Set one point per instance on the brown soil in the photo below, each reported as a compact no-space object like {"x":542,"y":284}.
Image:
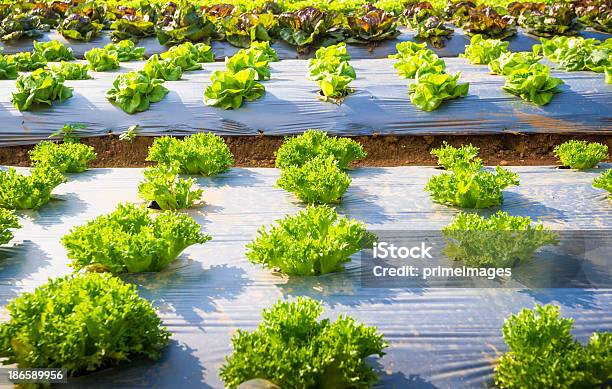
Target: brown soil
{"x":249,"y":151}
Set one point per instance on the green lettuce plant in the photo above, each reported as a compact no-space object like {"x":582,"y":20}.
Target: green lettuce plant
{"x":482,"y":51}
{"x":500,"y":240}
{"x":8,"y":68}
{"x":189,"y":56}
{"x":264,"y":47}
{"x":333,"y":73}
{"x":297,"y":150}
{"x":544,"y":354}
{"x":317,"y":181}
{"x":604,"y":181}
{"x":431,"y":89}
{"x":81,"y":323}
{"x":66,"y":157}
{"x":101,"y":60}
{"x":165,"y":69}
{"x":292,"y":348}
{"x":38,"y":88}
{"x":134,"y":91}
{"x":422,"y":62}
{"x":577,"y":53}
{"x":126,"y":50}
{"x":71,"y":70}
{"x":507,"y":63}
{"x":408,"y":49}
{"x":451,"y":157}
{"x":7,"y":220}
{"x":163,"y":185}
{"x":579,"y":154}
{"x":203,"y":153}
{"x":228,"y":90}
{"x":471,"y":186}
{"x":20,"y":191}
{"x":27,"y":62}
{"x":53,"y":51}
{"x":249,"y":59}
{"x":131,"y":240}
{"x":533,"y":84}
{"x":315,"y":241}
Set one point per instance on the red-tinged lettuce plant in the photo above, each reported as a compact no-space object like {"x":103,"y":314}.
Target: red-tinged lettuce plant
{"x":580,"y":154}
{"x":482,"y":51}
{"x":20,"y":191}
{"x":458,"y":11}
{"x":486,"y":21}
{"x":417,"y":12}
{"x":81,"y":323}
{"x":22,"y":26}
{"x":132,"y":26}
{"x":470,"y":186}
{"x":431,"y":89}
{"x":499,"y":241}
{"x":7,"y":220}
{"x":80,"y":28}
{"x":53,"y":51}
{"x":229,"y":90}
{"x":604,"y":181}
{"x":594,"y":13}
{"x":40,"y":87}
{"x":163,"y":186}
{"x":313,"y":242}
{"x":317,"y":181}
{"x":371,"y":24}
{"x":310,"y":26}
{"x":297,"y":150}
{"x":71,"y":157}
{"x":242,"y":29}
{"x":292,"y":348}
{"x":543,"y":353}
{"x":553,"y":19}
{"x":181,"y":23}
{"x":204,"y":153}
{"x":434,"y":30}
{"x":131,"y":240}
{"x":533,"y":84}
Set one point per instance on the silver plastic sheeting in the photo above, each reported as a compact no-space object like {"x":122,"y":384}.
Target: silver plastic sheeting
{"x":439,"y":338}
{"x":380,"y":104}
{"x":453,"y":47}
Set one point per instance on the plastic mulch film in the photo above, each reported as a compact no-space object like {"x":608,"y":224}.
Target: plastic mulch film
{"x":380,"y":104}
{"x":454,"y":46}
{"x":439,"y":338}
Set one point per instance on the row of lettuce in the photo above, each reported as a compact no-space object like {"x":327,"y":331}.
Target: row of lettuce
{"x":133,"y":92}
{"x":86,"y":314}
{"x":303,"y":26}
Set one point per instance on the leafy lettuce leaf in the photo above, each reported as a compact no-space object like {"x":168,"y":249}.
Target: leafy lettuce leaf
{"x":431,"y":89}
{"x":39,"y":87}
{"x":134,"y":91}
{"x":228,"y":90}
{"x":533,"y":84}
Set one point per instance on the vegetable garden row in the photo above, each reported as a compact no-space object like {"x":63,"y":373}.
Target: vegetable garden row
{"x":195,"y":273}
{"x":312,"y":243}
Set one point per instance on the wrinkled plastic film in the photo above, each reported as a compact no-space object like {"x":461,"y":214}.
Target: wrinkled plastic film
{"x":453,"y":47}
{"x":439,"y":338}
{"x":380,"y":104}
